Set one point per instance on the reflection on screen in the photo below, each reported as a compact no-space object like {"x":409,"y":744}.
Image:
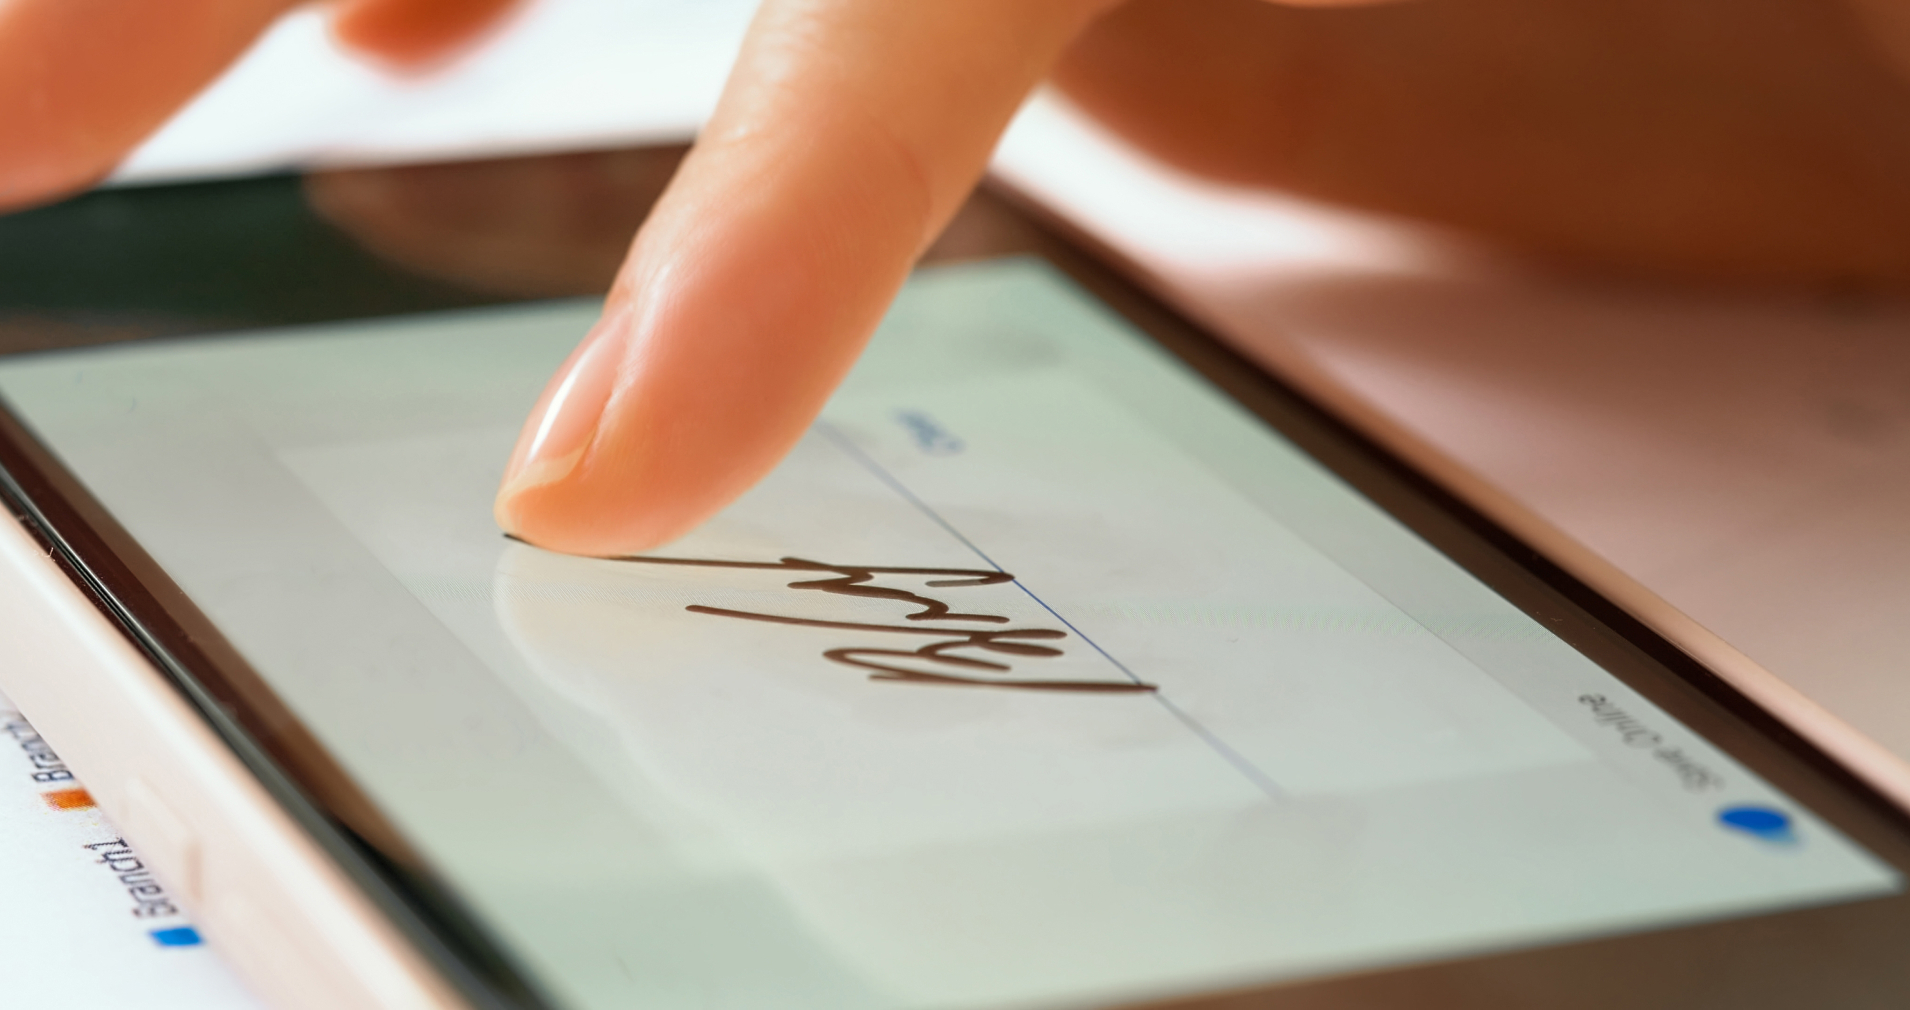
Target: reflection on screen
{"x":1039,"y":674}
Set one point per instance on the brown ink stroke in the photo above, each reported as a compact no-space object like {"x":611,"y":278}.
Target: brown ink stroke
{"x":938,"y":662}
{"x":851,"y":580}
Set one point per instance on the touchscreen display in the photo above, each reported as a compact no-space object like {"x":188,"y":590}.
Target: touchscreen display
{"x":1040,"y":674}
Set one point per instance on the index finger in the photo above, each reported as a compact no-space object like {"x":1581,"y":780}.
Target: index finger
{"x":848,"y":134}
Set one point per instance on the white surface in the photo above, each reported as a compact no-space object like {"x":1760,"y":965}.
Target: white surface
{"x":1344,"y":720}
{"x":72,"y":934}
{"x":562,"y":74}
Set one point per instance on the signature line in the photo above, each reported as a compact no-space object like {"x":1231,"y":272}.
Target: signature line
{"x":1246,"y":768}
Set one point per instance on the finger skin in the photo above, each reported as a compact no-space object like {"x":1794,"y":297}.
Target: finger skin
{"x":82,"y":82}
{"x":413,"y":33}
{"x":1699,"y":139}
{"x":1888,"y":29}
{"x":849,"y":133}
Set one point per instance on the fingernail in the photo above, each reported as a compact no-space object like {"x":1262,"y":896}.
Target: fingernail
{"x":566,"y":418}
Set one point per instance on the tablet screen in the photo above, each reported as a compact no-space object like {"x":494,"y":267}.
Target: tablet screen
{"x":1040,"y":673}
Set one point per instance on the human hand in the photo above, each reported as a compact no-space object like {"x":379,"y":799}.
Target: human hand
{"x":1698,"y":138}
{"x":84,"y":81}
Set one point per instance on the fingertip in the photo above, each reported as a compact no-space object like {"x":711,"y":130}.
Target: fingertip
{"x":414,"y":33}
{"x":848,"y":134}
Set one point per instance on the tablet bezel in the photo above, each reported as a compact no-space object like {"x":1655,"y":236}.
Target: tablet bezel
{"x":1763,"y":957}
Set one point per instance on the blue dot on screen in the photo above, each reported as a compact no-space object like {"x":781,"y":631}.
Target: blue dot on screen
{"x":1763,"y":822}
{"x":177,"y":936}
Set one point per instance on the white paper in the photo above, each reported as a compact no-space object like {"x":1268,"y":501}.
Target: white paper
{"x":86,"y":924}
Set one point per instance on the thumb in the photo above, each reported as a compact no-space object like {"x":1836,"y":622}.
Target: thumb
{"x":849,"y":133}
{"x":84,"y":81}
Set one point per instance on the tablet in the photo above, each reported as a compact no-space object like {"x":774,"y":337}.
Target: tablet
{"x":1068,"y":661}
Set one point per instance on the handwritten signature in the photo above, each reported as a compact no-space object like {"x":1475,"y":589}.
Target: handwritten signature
{"x":950,"y":660}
